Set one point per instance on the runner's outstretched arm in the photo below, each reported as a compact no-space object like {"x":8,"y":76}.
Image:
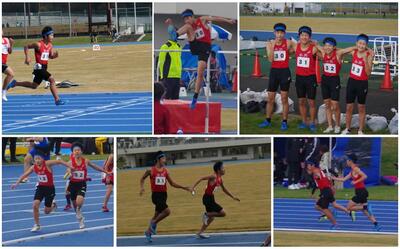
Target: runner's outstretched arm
{"x":228,"y":193}
{"x":25,"y":175}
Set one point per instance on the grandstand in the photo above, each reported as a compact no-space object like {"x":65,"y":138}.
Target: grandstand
{"x":139,"y":152}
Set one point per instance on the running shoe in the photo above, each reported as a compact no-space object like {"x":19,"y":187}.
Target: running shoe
{"x":369,"y":208}
{"x":54,"y":206}
{"x":284,"y":126}
{"x":35,"y":228}
{"x":4,"y":95}
{"x":313,"y":127}
{"x":79,"y":214}
{"x":60,"y":102}
{"x":377,"y":227}
{"x":82,"y":223}
{"x":153,"y":228}
{"x":105,"y":209}
{"x":193,"y":104}
{"x":322,"y":218}
{"x":67,"y":207}
{"x":25,"y":180}
{"x":352,"y":215}
{"x":302,"y":126}
{"x":265,"y":124}
{"x":346,"y":132}
{"x":337,"y":130}
{"x":360,"y":132}
{"x":11,"y":84}
{"x":205,"y":219}
{"x":202,"y":236}
{"x":334,"y":227}
{"x":328,"y":130}
{"x":148,"y":236}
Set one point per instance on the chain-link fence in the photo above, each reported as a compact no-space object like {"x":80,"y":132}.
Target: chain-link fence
{"x":27,"y":19}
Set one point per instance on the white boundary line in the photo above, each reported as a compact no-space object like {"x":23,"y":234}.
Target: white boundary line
{"x":50,"y":235}
{"x":192,"y":234}
{"x":333,"y":231}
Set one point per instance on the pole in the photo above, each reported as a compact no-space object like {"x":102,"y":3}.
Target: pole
{"x":26,"y":28}
{"x":70,"y":19}
{"x":116,"y":18}
{"x":134,"y":11}
{"x":206,"y":126}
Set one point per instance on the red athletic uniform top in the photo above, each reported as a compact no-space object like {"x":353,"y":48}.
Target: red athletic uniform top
{"x":211,"y":187}
{"x":281,"y":55}
{"x":201,"y":32}
{"x":322,"y":180}
{"x":305,"y":61}
{"x":43,"y":54}
{"x":45,"y":177}
{"x":158,"y":179}
{"x":358,"y":185}
{"x":79,"y":174}
{"x":331,"y":64}
{"x":5,"y":44}
{"x":357,"y":71}
{"x":109,"y":168}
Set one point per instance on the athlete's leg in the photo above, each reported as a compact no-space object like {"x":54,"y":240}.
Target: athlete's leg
{"x":216,"y":214}
{"x":328,"y":109}
{"x":27,"y":163}
{"x":108,"y":194}
{"x":79,"y":203}
{"x":27,"y":84}
{"x":162,"y":215}
{"x":327,"y":213}
{"x":336,"y":111}
{"x":340,"y":207}
{"x":204,"y":226}
{"x":303,"y":110}
{"x":201,"y":67}
{"x":313,"y":110}
{"x":53,"y":88}
{"x":285,"y":105}
{"x":270,"y":104}
{"x":349,"y":114}
{"x":361,"y":113}
{"x":36,"y":205}
{"x":9,"y":76}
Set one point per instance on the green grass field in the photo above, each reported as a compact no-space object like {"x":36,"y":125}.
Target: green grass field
{"x":253,"y":212}
{"x":333,"y":239}
{"x":59,"y":41}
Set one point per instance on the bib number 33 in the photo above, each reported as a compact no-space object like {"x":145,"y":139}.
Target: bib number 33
{"x":160,"y":180}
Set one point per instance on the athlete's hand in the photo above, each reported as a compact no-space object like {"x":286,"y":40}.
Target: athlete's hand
{"x":236,"y":199}
{"x":141,"y":192}
{"x":231,"y":21}
{"x":55,"y":54}
{"x":168,"y":21}
{"x":27,"y":60}
{"x":315,"y":42}
{"x":11,"y":41}
{"x":13,"y":186}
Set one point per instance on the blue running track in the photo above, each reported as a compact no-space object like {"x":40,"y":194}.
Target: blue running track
{"x":61,"y":227}
{"x":92,"y":113}
{"x":180,"y":240}
{"x":300,"y":215}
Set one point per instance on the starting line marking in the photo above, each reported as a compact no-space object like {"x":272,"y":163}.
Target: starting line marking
{"x":333,"y":231}
{"x":51,"y":235}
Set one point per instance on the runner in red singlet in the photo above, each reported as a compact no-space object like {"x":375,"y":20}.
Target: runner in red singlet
{"x":43,"y":53}
{"x":357,"y":86}
{"x":108,"y":180}
{"x":359,"y":202}
{"x":332,"y":57}
{"x":159,"y":176}
{"x":213,"y":209}
{"x":45,"y":186}
{"x":198,"y":32}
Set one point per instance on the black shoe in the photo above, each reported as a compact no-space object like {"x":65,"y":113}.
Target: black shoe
{"x":15,"y":160}
{"x":4,"y":161}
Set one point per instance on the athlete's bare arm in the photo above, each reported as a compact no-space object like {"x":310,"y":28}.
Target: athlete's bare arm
{"x":146,"y":174}
{"x":270,"y":50}
{"x":369,"y":62}
{"x":340,"y":52}
{"x":51,"y":163}
{"x":26,"y":51}
{"x":205,"y":19}
{"x":10,"y":49}
{"x":320,"y":50}
{"x":292,"y":46}
{"x":95,"y":167}
{"x":53,"y":54}
{"x":208,"y":178}
{"x":176,"y":185}
{"x":25,"y":175}
{"x":228,"y":193}
{"x":182,"y":30}
{"x":342,"y":179}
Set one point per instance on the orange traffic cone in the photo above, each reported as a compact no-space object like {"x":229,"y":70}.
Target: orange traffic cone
{"x":256,"y":66}
{"x":234,"y":82}
{"x":387,"y":84}
{"x":318,"y":71}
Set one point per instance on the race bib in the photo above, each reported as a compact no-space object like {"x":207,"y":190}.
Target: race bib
{"x":45,"y":56}
{"x":356,"y":69}
{"x":303,"y":62}
{"x":279,"y":55}
{"x":199,"y":33}
{"x":160,"y":180}
{"x":42,"y":178}
{"x":80,"y":175}
{"x":329,"y":68}
{"x":4,"y":49}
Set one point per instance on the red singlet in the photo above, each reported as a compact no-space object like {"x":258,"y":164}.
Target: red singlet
{"x":211,"y":187}
{"x":305,"y":61}
{"x":45,"y":177}
{"x":158,"y":179}
{"x":281,"y":55}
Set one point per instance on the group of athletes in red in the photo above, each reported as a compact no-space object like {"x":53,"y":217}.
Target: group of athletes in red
{"x":359,"y":202}
{"x":44,"y":51}
{"x":306,"y":52}
{"x":159,"y":177}
{"x":77,"y":173}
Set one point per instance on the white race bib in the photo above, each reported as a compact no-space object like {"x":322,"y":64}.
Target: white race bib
{"x":45,"y":56}
{"x":329,"y":68}
{"x":356,"y":69}
{"x":199,"y":33}
{"x":279,"y":55}
{"x":160,"y":180}
{"x":4,"y":49}
{"x":303,"y":62}
{"x":42,"y":178}
{"x":79,"y":174}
